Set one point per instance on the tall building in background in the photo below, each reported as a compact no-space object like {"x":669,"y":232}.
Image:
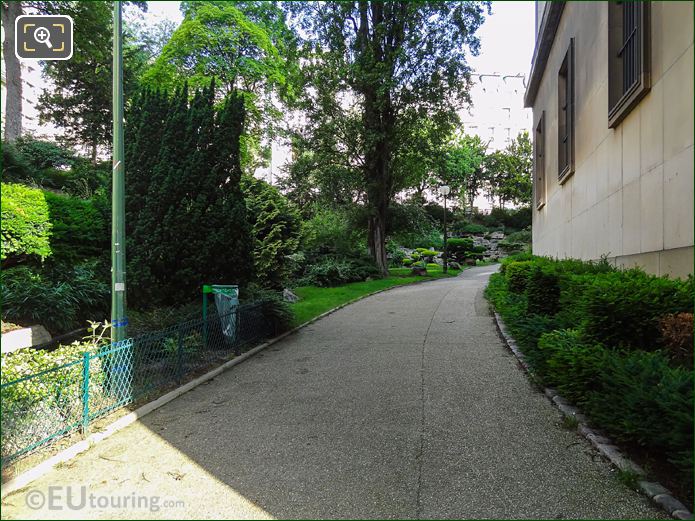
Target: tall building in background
{"x":611,"y":87}
{"x":498,"y":113}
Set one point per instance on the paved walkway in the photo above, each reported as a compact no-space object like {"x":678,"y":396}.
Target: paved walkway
{"x":404,"y":405}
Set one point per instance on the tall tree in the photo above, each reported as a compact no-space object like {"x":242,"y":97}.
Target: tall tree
{"x":402,"y":61}
{"x":79,"y":100}
{"x":13,"y":72}
{"x":186,"y":213}
{"x":248,"y":47}
{"x":508,"y":172}
{"x":463,"y":166}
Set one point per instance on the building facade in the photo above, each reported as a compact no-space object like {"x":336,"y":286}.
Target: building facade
{"x":611,"y":87}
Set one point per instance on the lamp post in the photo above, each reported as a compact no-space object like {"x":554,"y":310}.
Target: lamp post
{"x":444,"y":191}
{"x":118,"y":305}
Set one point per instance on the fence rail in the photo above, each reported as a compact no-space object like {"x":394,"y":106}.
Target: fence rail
{"x":39,"y":408}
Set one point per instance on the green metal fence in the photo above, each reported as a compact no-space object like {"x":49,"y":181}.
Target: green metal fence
{"x":38,"y":408}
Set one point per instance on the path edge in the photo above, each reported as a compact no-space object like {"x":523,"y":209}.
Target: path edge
{"x":28,"y":476}
{"x":656,"y":492}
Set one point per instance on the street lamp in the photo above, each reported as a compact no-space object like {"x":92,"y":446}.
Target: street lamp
{"x":444,"y":190}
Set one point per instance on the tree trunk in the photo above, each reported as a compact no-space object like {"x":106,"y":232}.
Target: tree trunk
{"x":94,"y":154}
{"x":13,"y":73}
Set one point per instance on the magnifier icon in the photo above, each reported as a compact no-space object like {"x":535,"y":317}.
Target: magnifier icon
{"x":43,"y":35}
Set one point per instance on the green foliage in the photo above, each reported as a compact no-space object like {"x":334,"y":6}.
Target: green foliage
{"x":79,"y":230}
{"x":623,"y":309}
{"x":543,"y":292}
{"x":275,"y":309}
{"x":330,"y":231}
{"x":331,"y":271}
{"x":410,"y":225}
{"x":15,"y":167}
{"x":276,"y":229}
{"x":459,"y":249}
{"x":517,"y":274}
{"x":41,"y":154}
{"x":472,"y":228}
{"x":80,"y":101}
{"x":509,"y":172}
{"x":61,"y":298}
{"x":26,"y":224}
{"x":464,"y":166}
{"x":515,"y":219}
{"x":608,"y":363}
{"x":186,"y":215}
{"x":256,"y":58}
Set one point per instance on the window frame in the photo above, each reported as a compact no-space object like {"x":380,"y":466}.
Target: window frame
{"x":565,"y":107}
{"x":539,"y":181}
{"x":621,"y":101}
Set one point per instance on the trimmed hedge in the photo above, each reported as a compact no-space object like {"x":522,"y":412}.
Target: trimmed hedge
{"x":26,"y":224}
{"x":608,"y":341}
{"x":79,"y":228}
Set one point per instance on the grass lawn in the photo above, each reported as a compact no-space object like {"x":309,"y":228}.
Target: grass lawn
{"x":315,"y":300}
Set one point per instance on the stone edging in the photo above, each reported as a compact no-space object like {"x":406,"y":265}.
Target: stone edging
{"x":32,"y":474}
{"x":653,"y":490}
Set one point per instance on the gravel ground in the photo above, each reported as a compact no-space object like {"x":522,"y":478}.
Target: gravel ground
{"x":403,"y":405}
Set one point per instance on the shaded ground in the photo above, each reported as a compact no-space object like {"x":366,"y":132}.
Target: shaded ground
{"x":403,"y":405}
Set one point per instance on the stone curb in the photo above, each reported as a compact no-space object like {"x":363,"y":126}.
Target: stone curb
{"x":32,"y":474}
{"x":653,"y":490}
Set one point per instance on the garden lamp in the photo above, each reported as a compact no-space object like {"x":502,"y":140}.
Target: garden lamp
{"x":444,"y":190}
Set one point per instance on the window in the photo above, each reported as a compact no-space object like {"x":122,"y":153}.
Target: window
{"x":628,"y":57}
{"x":565,"y":120}
{"x":539,"y":162}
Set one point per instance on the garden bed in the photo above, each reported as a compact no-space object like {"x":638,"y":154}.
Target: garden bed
{"x":615,"y":343}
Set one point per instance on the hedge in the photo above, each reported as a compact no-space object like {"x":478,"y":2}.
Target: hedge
{"x":38,"y":224}
{"x":612,"y":342}
{"x":79,"y":228}
{"x":26,"y":225}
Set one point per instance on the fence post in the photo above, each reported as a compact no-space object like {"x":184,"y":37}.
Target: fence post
{"x":85,"y":392}
{"x":179,"y":356}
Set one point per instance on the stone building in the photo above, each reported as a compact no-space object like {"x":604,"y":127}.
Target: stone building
{"x":611,"y":87}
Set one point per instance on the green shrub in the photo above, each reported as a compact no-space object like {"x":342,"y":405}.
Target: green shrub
{"x":330,"y":232}
{"x":14,"y":166}
{"x":472,"y":228}
{"x":407,"y":262}
{"x":543,"y":292}
{"x":276,"y":229}
{"x":334,"y":271}
{"x":623,"y":309}
{"x":642,"y":399}
{"x":79,"y":228}
{"x":26,"y":226}
{"x":459,"y":249}
{"x":517,"y":274}
{"x":62,"y":298}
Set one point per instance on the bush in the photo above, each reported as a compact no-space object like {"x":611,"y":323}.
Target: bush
{"x":517,"y":274}
{"x":329,"y":232}
{"x":334,"y":271}
{"x":407,"y":262}
{"x":640,"y":399}
{"x":276,"y":228}
{"x":459,"y":249}
{"x":14,"y":166}
{"x":395,"y":254}
{"x":472,"y":228}
{"x":62,"y":298}
{"x":623,"y":309}
{"x":543,"y":292}
{"x":26,"y":226}
{"x":79,"y":229}
{"x":410,"y":225}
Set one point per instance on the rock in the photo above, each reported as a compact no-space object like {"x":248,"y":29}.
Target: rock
{"x":470,"y":262}
{"x":497,"y":235}
{"x":418,"y":270}
{"x":289,"y":295}
{"x":25,"y":337}
{"x":453,"y":265}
